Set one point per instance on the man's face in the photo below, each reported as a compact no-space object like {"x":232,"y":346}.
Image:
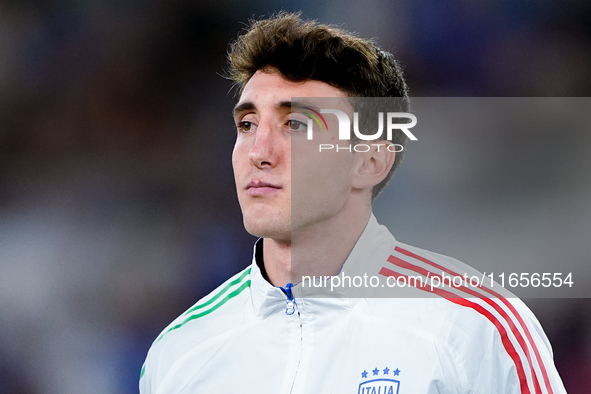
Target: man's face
{"x":270,"y":134}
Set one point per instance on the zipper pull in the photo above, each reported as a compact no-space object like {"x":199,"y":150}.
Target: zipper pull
{"x":291,"y":304}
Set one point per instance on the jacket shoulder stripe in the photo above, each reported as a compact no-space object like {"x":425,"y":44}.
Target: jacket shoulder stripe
{"x":509,"y":347}
{"x":503,"y":313}
{"x":219,"y":293}
{"x":244,"y":284}
{"x":403,"y":264}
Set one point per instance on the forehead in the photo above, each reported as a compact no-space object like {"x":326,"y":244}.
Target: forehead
{"x":268,"y":88}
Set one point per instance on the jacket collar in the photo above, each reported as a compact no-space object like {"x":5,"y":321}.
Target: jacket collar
{"x":372,"y":249}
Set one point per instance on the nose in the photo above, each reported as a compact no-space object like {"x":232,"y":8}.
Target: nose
{"x":264,"y":151}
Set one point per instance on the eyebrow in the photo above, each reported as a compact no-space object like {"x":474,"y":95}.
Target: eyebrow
{"x":298,"y":105}
{"x":303,"y":105}
{"x":246,"y":106}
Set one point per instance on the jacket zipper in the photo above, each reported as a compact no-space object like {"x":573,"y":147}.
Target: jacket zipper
{"x":291,"y":304}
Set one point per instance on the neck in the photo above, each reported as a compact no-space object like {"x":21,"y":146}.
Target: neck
{"x":319,"y":249}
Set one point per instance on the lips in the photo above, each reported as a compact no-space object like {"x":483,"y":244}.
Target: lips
{"x":259,"y":188}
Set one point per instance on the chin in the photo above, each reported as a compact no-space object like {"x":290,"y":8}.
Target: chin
{"x":268,"y":227}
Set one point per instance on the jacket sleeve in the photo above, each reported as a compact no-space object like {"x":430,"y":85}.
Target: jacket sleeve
{"x":526,"y":367}
{"x":144,"y":381}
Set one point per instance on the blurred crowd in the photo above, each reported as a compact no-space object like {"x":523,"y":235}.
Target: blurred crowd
{"x":117,"y":203}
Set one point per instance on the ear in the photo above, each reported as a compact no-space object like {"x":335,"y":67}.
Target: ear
{"x":372,"y":167}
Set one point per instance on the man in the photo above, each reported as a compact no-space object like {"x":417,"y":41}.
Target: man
{"x":267,"y":329}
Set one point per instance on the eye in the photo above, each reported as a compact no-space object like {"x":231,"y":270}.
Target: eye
{"x":245,"y":126}
{"x":296,"y":125}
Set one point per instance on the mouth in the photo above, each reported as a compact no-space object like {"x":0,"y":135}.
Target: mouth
{"x":259,"y":188}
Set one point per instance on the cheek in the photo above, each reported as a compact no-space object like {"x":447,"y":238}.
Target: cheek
{"x":239,"y":154}
{"x":234,"y":158}
{"x":322,"y":174}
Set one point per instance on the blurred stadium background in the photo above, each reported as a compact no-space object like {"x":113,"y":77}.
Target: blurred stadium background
{"x":117,"y":203}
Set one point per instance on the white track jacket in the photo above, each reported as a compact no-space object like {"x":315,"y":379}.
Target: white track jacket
{"x":250,"y":337}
